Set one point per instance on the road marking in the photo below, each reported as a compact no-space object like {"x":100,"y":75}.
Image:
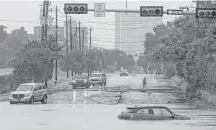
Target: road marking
{"x":74,"y":95}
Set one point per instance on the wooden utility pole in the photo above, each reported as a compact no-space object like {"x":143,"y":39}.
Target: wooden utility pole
{"x":67,"y":41}
{"x":76,"y":43}
{"x":56,"y":64}
{"x":90,"y":39}
{"x":71,"y":41}
{"x":80,"y":46}
{"x":83,"y":40}
{"x":71,"y":36}
{"x":43,"y":24}
{"x":46,"y":21}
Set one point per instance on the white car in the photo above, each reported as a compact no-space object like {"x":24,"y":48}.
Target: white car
{"x":29,"y":93}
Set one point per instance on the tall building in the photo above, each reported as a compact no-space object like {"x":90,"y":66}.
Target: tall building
{"x":75,"y":34}
{"x":130,"y":30}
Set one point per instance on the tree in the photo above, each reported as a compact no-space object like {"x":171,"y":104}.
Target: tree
{"x":12,"y":45}
{"x":3,"y":34}
{"x":142,"y":61}
{"x":191,"y":48}
{"x":33,"y":63}
{"x":75,"y":61}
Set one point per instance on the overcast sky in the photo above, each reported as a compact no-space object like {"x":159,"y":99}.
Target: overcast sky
{"x":28,"y":13}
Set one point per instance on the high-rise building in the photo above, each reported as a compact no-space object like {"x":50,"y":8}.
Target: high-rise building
{"x":130,"y":30}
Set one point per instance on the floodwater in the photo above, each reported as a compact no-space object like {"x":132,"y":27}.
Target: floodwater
{"x":95,"y":117}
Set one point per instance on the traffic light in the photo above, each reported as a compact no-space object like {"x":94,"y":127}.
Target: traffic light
{"x":205,"y":12}
{"x":76,"y":8}
{"x":151,"y":11}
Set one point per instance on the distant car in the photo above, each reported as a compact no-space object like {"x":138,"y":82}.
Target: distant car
{"x":123,"y":73}
{"x":150,"y":113}
{"x":29,"y":93}
{"x":97,"y":78}
{"x":80,"y":81}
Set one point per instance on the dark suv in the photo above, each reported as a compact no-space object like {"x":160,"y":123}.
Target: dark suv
{"x":97,"y":78}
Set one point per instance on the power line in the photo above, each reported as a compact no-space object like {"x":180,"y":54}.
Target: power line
{"x":20,"y":21}
{"x":118,"y":42}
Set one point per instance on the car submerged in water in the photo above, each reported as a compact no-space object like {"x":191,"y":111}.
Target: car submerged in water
{"x":150,"y":113}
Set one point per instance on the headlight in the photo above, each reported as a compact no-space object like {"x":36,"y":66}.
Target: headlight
{"x":74,"y":81}
{"x":85,"y":80}
{"x":26,"y":95}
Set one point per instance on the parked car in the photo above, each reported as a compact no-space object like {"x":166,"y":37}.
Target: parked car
{"x":150,"y":113}
{"x":80,"y":81}
{"x":123,"y":73}
{"x":29,"y":93}
{"x":97,"y":78}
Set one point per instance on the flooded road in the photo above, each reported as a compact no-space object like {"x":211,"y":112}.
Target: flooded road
{"x":71,"y":109}
{"x":95,"y":117}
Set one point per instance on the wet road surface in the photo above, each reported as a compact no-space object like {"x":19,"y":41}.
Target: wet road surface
{"x":94,"y":117}
{"x":72,"y":110}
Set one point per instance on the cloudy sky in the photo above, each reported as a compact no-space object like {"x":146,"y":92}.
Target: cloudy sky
{"x":15,"y":14}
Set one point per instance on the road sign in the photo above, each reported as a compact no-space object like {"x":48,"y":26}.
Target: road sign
{"x":99,"y":9}
{"x":151,"y":11}
{"x":174,"y":12}
{"x":205,"y":12}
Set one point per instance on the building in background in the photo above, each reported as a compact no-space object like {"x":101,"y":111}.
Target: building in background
{"x":51,"y":31}
{"x":75,"y":34}
{"x":130,"y":30}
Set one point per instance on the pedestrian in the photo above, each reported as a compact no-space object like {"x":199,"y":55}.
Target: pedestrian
{"x":144,"y":83}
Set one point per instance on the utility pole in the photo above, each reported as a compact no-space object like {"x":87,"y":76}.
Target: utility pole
{"x":79,"y":38}
{"x":90,"y":38}
{"x":71,"y":44}
{"x":46,"y":21}
{"x":71,"y":36}
{"x":76,"y":43}
{"x":83,"y":39}
{"x":56,"y":69}
{"x":67,"y":41}
{"x":43,"y":24}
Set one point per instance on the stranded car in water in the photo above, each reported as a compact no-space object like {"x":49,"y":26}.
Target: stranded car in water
{"x":150,"y":113}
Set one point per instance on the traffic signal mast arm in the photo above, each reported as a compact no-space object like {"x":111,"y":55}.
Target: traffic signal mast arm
{"x":138,"y":11}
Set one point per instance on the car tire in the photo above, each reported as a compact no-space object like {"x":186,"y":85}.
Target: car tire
{"x":105,"y":83}
{"x":44,"y":100}
{"x":11,"y":102}
{"x":74,"y":87}
{"x":31,"y":100}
